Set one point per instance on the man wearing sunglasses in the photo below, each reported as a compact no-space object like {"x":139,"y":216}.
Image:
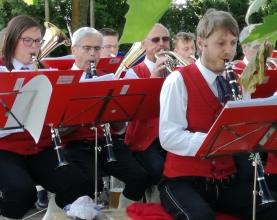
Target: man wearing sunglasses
{"x":142,"y":135}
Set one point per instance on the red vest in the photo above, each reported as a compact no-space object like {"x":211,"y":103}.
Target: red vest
{"x":24,"y":144}
{"x":140,"y":134}
{"x":202,"y":109}
{"x":271,"y":167}
{"x":240,"y":65}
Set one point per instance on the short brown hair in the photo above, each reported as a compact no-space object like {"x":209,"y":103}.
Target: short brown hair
{"x":183,"y":36}
{"x":108,"y":32}
{"x":213,"y":20}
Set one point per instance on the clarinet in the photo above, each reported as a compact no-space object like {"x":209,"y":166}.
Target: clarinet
{"x":93,"y":69}
{"x":264,"y":191}
{"x":105,"y":127}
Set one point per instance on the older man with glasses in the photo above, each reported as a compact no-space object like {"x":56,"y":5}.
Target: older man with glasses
{"x":142,"y":136}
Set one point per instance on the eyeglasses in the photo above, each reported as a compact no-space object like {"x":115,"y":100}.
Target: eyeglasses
{"x":157,"y":39}
{"x":29,"y":41}
{"x":108,"y":46}
{"x":89,"y":48}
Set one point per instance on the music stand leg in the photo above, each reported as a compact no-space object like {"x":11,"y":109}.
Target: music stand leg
{"x":96,"y":149}
{"x":255,"y":162}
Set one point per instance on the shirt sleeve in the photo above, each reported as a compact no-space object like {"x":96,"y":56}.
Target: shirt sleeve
{"x":173,"y":133}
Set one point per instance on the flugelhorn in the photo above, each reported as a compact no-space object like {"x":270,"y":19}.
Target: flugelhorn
{"x":133,"y":55}
{"x":53,"y":38}
{"x":173,"y":59}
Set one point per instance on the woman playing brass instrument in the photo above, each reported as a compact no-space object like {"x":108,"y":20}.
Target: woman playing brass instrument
{"x":25,"y":163}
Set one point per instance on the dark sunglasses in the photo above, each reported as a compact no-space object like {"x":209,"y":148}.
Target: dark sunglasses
{"x":157,"y":39}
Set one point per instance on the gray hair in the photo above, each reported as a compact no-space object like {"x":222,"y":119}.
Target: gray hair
{"x":246,"y":32}
{"x":82,"y":32}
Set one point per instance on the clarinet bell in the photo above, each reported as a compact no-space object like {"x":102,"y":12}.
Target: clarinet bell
{"x":61,"y":159}
{"x":110,"y":155}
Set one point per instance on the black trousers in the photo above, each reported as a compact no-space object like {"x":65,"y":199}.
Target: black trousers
{"x":153,"y":159}
{"x":196,"y":198}
{"x":127,"y":169}
{"x":19,"y":176}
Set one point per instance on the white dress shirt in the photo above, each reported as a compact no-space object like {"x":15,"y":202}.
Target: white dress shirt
{"x":17,"y":65}
{"x":130,"y":74}
{"x":173,"y":108}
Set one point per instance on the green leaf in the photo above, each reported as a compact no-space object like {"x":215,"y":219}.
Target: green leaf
{"x":31,"y":2}
{"x":141,"y":17}
{"x":264,"y":32}
{"x":254,"y":7}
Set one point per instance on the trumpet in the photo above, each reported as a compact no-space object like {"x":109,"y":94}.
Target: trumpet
{"x":173,"y":59}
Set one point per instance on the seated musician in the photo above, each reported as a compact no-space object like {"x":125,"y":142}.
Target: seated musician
{"x":183,"y":44}
{"x":190,"y":100}
{"x":23,"y":162}
{"x":80,"y":144}
{"x":142,"y":136}
{"x":110,"y":42}
{"x":249,"y":49}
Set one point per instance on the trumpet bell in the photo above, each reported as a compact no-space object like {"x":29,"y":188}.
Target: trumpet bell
{"x":53,"y":38}
{"x":173,"y":59}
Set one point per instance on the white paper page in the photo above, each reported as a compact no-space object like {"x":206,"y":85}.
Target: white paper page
{"x":31,"y":105}
{"x":39,"y":70}
{"x":106,"y":77}
{"x":252,"y":102}
{"x":3,"y":69}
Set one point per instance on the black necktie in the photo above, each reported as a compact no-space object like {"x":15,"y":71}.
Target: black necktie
{"x":24,"y":68}
{"x":223,"y":89}
{"x":88,"y":76}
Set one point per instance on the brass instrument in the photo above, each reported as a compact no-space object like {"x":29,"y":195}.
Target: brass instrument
{"x":53,"y":38}
{"x":173,"y":60}
{"x":34,"y":60}
{"x":264,"y":192}
{"x":133,"y":55}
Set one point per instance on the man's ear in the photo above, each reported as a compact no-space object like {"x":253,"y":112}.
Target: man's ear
{"x":200,"y":43}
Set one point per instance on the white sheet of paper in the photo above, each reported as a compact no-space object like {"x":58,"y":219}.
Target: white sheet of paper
{"x":252,"y":102}
{"x":30,"y":106}
{"x":106,"y":77}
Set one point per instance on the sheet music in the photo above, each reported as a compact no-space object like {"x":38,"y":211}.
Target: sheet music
{"x":30,"y":105}
{"x":252,"y":102}
{"x":106,"y":77}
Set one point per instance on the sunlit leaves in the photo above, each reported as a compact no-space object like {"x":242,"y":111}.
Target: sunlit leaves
{"x":141,"y":17}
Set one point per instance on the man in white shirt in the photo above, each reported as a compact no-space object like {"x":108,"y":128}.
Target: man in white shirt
{"x":191,"y":99}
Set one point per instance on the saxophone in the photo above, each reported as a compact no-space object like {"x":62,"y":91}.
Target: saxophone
{"x":264,"y":191}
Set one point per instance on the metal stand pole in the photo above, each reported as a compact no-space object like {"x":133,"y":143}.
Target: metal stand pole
{"x":96,"y":149}
{"x":254,"y":163}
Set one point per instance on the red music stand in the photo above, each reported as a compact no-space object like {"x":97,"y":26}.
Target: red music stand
{"x":117,"y":100}
{"x":239,"y":130}
{"x":106,"y":65}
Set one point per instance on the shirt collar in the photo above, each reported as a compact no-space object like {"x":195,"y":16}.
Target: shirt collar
{"x":208,"y":75}
{"x":245,"y":61}
{"x":18,"y":65}
{"x":149,"y":64}
{"x":74,"y":67}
